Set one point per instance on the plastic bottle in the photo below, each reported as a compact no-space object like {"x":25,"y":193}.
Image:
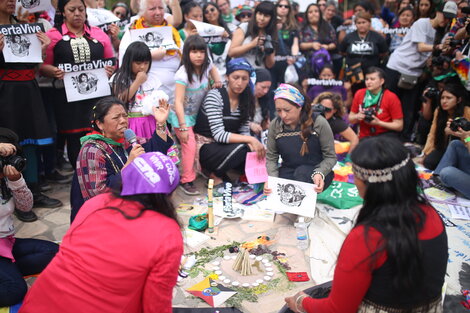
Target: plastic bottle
{"x":302,"y":235}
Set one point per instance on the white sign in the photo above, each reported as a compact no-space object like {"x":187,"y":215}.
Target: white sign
{"x":21,"y":43}
{"x":155,"y":37}
{"x":291,"y":196}
{"x":98,"y":17}
{"x":459,"y":212}
{"x":34,"y":5}
{"x":206,"y":29}
{"x":86,"y":84}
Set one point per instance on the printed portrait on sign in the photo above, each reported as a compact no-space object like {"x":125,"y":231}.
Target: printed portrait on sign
{"x":152,"y":39}
{"x":30,"y":4}
{"x":290,"y":194}
{"x":85,"y":83}
{"x":19,"y":45}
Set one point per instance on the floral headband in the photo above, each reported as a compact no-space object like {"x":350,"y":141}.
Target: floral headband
{"x":288,"y":92}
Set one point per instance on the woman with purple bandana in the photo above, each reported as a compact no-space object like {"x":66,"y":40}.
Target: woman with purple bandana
{"x":304,"y":141}
{"x":123,"y":250}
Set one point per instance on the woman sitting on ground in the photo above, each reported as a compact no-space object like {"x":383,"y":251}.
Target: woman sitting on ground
{"x":123,"y":251}
{"x":18,"y":256}
{"x":303,"y":140}
{"x":222,"y":126}
{"x":104,"y":153}
{"x":395,"y":258}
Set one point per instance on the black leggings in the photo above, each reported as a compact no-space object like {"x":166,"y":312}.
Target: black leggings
{"x":73,"y":147}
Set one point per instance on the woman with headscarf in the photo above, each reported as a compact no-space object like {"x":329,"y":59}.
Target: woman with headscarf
{"x":303,"y":140}
{"x":222,"y":126}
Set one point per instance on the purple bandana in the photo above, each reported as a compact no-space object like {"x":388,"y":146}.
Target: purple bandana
{"x":152,"y":172}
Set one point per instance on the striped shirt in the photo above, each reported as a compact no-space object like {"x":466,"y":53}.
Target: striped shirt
{"x":210,"y":122}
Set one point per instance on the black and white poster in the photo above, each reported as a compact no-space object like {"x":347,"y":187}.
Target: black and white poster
{"x":292,"y":196}
{"x":33,"y":6}
{"x":155,"y":37}
{"x":21,"y":43}
{"x":210,"y":33}
{"x":86,"y":80}
{"x":100,"y":17}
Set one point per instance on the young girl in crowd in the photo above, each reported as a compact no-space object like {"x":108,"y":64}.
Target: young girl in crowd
{"x":192,"y":84}
{"x":191,"y":11}
{"x":131,"y":84}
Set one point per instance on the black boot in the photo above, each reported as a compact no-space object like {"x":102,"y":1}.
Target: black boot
{"x":40,"y":200}
{"x":26,"y":217}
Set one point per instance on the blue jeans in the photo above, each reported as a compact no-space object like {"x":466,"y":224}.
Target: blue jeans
{"x":454,"y":168}
{"x":31,"y":257}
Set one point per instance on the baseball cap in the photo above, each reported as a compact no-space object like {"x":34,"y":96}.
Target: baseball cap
{"x":243,"y":9}
{"x":450,"y":9}
{"x":152,"y":172}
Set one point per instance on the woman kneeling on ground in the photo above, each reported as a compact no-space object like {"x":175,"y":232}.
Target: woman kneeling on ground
{"x":304,"y":141}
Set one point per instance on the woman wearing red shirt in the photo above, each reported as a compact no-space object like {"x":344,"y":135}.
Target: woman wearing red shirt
{"x":395,"y":258}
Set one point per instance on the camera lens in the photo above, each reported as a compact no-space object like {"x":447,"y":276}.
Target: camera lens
{"x":17,"y":162}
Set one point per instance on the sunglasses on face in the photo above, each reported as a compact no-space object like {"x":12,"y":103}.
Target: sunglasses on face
{"x":285,"y":6}
{"x":210,"y":10}
{"x":245,"y":15}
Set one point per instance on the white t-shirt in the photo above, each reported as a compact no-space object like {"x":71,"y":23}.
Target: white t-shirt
{"x":406,"y":58}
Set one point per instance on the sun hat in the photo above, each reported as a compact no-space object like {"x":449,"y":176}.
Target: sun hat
{"x":152,"y":172}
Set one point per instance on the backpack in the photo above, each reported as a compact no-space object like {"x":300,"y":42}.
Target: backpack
{"x":318,"y":60}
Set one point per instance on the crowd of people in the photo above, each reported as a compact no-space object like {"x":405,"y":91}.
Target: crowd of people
{"x":263,"y":78}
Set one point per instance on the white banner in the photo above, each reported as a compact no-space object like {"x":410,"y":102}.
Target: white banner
{"x":155,"y":37}
{"x":206,"y":29}
{"x":21,"y":43}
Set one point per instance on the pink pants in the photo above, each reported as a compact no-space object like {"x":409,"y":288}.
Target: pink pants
{"x":188,"y":156}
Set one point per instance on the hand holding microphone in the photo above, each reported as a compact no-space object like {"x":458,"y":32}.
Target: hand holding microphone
{"x":137,"y":149}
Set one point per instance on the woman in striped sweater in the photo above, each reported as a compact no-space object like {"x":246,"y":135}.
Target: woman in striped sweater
{"x":222,"y":125}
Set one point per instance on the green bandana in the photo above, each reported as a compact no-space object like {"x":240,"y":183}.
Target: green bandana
{"x":99,"y":137}
{"x":371,"y":99}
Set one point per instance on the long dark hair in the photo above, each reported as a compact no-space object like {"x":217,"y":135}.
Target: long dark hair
{"x":441,"y":140}
{"x":101,"y":109}
{"x":220,"y":20}
{"x":136,"y":52}
{"x":246,"y":103}
{"x":393,"y":209}
{"x":266,"y":8}
{"x":323,"y":26}
{"x":431,"y":12}
{"x":194,"y":42}
{"x":59,"y":17}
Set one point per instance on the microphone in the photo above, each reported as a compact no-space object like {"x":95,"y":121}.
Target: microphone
{"x":130,"y":136}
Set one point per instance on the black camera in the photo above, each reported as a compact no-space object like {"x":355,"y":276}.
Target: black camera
{"x":460,"y":122}
{"x":16,"y":161}
{"x":454,"y":42}
{"x":268,"y":45}
{"x":320,"y":108}
{"x":432,"y":93}
{"x":369,"y":114}
{"x":440,"y":60}
{"x":466,"y":10}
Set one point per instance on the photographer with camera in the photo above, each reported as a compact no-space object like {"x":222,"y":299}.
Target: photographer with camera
{"x":376,"y":109}
{"x":454,"y":168}
{"x":18,"y":257}
{"x":254,"y":40}
{"x":452,"y":105}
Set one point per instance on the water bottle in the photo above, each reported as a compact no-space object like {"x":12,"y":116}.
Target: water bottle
{"x":302,"y":236}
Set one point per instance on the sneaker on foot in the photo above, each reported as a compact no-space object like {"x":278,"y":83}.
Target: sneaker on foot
{"x":189,"y":189}
{"x":26,"y":217}
{"x":56,"y":177}
{"x":43,"y":201}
